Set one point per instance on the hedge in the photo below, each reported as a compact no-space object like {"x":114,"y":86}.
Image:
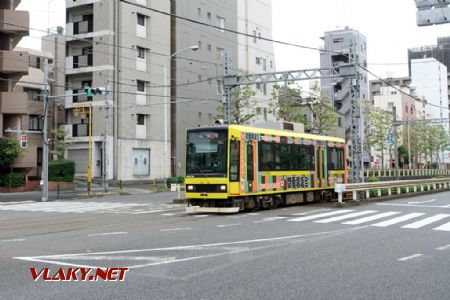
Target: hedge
{"x":15,"y":179}
{"x":61,"y":170}
{"x":179,"y":179}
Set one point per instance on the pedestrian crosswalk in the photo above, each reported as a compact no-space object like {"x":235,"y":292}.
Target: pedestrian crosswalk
{"x":376,"y":218}
{"x":92,"y":207}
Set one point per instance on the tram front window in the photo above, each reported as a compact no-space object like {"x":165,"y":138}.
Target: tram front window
{"x":206,"y":153}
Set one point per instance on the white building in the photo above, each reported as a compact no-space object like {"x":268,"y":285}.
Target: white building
{"x":257,"y":55}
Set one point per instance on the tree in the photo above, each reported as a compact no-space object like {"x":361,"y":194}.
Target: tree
{"x":60,"y":144}
{"x":9,"y":151}
{"x":243,"y":105}
{"x":378,"y":126}
{"x":295,"y":108}
{"x":403,"y":155}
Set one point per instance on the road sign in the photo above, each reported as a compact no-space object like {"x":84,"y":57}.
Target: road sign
{"x":23,"y":141}
{"x":390,"y":139}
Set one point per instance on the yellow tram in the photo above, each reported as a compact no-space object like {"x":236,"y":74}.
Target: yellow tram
{"x":232,"y":168}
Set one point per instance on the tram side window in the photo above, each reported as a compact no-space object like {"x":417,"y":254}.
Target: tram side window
{"x":234,"y":160}
{"x":286,"y":157}
{"x":335,"y":159}
{"x":266,"y":156}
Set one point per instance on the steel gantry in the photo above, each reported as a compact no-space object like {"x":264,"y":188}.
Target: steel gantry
{"x":347,"y":71}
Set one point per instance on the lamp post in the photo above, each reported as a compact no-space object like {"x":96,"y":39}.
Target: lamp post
{"x":166,"y":118}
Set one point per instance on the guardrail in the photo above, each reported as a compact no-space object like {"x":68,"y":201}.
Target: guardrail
{"x":405,"y":172}
{"x":387,"y":186}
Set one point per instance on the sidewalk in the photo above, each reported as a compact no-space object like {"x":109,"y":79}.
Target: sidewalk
{"x":78,"y":193}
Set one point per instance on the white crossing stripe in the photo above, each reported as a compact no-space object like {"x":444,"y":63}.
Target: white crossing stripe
{"x":445,"y":227}
{"x":426,"y":221}
{"x":318,"y":216}
{"x":348,"y":216}
{"x":371,"y":218}
{"x":398,"y":220}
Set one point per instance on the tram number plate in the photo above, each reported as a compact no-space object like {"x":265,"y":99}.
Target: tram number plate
{"x":297,"y":182}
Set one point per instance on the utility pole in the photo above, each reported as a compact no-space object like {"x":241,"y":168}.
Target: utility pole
{"x":227,"y":99}
{"x":394,"y":118}
{"x":45,"y":136}
{"x":105,"y":139}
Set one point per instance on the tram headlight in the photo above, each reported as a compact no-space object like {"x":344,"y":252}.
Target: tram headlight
{"x":223,"y":188}
{"x":190,"y":188}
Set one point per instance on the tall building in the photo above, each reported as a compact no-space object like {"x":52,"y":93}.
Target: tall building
{"x":123,"y":44}
{"x":21,"y":79}
{"x":197,"y":87}
{"x":257,"y":55}
{"x":440,"y":52}
{"x":338,"y":45}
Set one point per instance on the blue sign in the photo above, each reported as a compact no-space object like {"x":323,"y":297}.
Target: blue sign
{"x":390,"y":139}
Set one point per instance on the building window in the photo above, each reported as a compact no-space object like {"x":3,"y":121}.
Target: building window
{"x":34,"y":94}
{"x":258,"y":60}
{"x":141,"y":19}
{"x":254,"y":36}
{"x":141,"y":52}
{"x":199,"y":11}
{"x":271,"y":64}
{"x":199,"y":45}
{"x":264,"y":63}
{"x":36,"y":123}
{"x":140,"y":119}
{"x":220,"y":54}
{"x":258,"y":86}
{"x":265,"y":89}
{"x":338,"y":40}
{"x":220,"y":87}
{"x":140,"y":86}
{"x":209,"y":47}
{"x":221,"y":23}
{"x":208,"y":14}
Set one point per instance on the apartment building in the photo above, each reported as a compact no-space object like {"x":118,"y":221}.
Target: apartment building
{"x":197,"y":87}
{"x":122,"y":44}
{"x":255,"y":54}
{"x":375,"y":86}
{"x":21,"y":79}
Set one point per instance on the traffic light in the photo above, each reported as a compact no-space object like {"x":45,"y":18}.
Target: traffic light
{"x":23,"y":141}
{"x":93,"y":91}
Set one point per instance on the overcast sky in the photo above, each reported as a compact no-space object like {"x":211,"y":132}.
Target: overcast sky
{"x":389,"y":25}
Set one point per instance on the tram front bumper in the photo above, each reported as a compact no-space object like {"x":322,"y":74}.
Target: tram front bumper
{"x":220,"y":210}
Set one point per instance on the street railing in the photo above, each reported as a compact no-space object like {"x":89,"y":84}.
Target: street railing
{"x":386,"y":187}
{"x":405,"y":172}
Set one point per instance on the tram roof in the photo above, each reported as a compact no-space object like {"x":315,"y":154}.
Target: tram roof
{"x":278,"y":132}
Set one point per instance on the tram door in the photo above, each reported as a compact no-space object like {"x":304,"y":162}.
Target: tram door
{"x":320,"y":165}
{"x":251,"y":167}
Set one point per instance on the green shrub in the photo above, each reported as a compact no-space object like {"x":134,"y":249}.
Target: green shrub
{"x":61,"y":170}
{"x":178,"y":179}
{"x":12,"y":180}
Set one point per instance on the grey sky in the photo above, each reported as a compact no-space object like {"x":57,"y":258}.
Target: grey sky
{"x":390,"y":27}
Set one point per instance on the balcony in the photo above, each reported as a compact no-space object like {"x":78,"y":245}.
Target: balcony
{"x":14,"y":103}
{"x":14,"y":21}
{"x":13,"y":62}
{"x":79,"y":28}
{"x":80,"y":130}
{"x":79,"y":64}
{"x":75,"y":3}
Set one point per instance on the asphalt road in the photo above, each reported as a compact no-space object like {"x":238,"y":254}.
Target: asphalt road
{"x":392,"y":250}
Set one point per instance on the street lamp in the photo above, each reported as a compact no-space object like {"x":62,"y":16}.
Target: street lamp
{"x":166,"y":89}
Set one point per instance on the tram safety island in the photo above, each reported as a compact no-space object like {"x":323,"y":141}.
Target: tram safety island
{"x":232,"y":168}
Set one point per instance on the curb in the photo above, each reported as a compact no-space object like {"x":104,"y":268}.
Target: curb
{"x":387,"y":198}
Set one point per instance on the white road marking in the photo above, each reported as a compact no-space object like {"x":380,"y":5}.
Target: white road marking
{"x":310,"y":212}
{"x":175,"y":229}
{"x":443,"y":247}
{"x":371,"y":218}
{"x":228,"y":225}
{"x":52,"y":259}
{"x":406,"y":258}
{"x":347,"y":216}
{"x":413,"y":205}
{"x":426,"y":221}
{"x":420,"y":202}
{"x":398,"y":220}
{"x":201,"y":216}
{"x":13,"y":240}
{"x":307,"y":218}
{"x":445,"y":227}
{"x":148,"y":212}
{"x":107,"y":233}
{"x":270,"y":219}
